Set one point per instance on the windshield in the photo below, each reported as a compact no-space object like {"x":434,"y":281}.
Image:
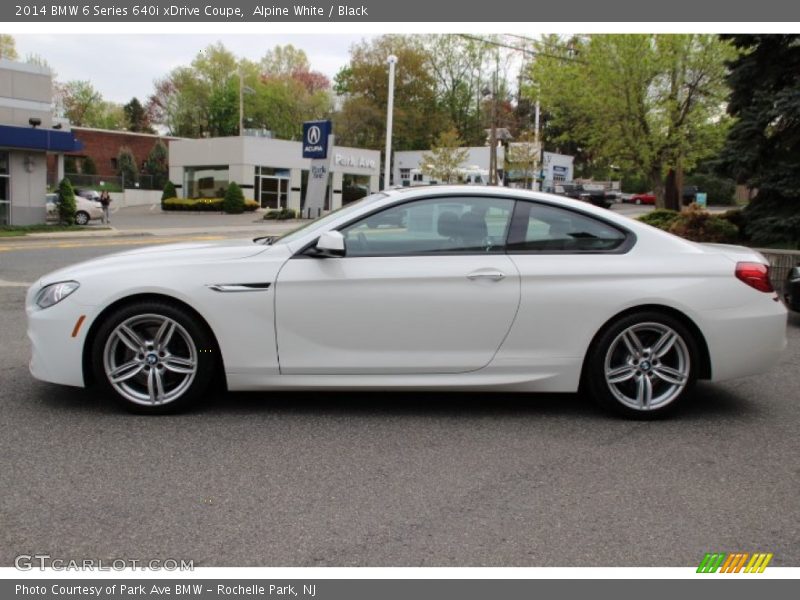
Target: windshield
{"x":312,"y":226}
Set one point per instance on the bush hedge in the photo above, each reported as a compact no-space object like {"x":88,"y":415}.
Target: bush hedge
{"x":66,"y":202}
{"x":695,"y":224}
{"x":202,"y":204}
{"x":282,"y":214}
{"x":233,"y":203}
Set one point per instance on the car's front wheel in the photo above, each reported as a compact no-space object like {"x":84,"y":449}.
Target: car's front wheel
{"x":643,"y":365}
{"x":155,"y":357}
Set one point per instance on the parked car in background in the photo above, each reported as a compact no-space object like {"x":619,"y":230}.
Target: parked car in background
{"x":88,"y":194}
{"x":689,"y":194}
{"x":85,"y":210}
{"x":792,"y":293}
{"x":648,"y":198}
{"x":587,"y":193}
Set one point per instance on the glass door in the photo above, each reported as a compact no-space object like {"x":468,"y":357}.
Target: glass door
{"x":274,"y":192}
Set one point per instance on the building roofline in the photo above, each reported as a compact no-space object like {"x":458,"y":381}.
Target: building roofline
{"x":23,"y":67}
{"x":125,"y":132}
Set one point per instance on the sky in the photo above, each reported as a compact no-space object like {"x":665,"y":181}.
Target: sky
{"x":122,"y":66}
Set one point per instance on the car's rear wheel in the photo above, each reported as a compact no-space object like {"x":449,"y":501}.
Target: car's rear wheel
{"x":81,"y":217}
{"x":643,"y":365}
{"x":637,"y":201}
{"x":154,"y":357}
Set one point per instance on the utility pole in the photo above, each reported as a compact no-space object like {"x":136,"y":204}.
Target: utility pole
{"x":241,"y":102}
{"x":392,"y":60}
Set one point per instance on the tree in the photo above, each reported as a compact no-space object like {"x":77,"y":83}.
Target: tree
{"x":762,"y":149}
{"x":84,"y":106}
{"x":364,"y":84}
{"x":203,"y":98}
{"x":523,"y":156}
{"x":88,"y":167}
{"x":653,"y":103}
{"x":8,"y":47}
{"x":445,"y":158}
{"x":66,"y":202}
{"x":169,"y":192}
{"x":233,"y":203}
{"x":126,"y":166}
{"x":136,"y":117}
{"x":157,"y":165}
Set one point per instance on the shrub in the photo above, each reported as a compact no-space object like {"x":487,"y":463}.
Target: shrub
{"x":66,"y":202}
{"x":233,"y":203}
{"x":281,"y":214}
{"x":719,"y":190}
{"x":661,"y":217}
{"x":88,"y":167}
{"x":70,"y":164}
{"x":202,"y":204}
{"x":126,"y":167}
{"x":169,"y":192}
{"x":699,"y":225}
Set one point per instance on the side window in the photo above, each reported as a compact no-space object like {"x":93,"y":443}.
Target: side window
{"x":437,"y":225}
{"x":543,"y":228}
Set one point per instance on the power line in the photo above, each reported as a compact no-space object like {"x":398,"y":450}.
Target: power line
{"x":518,"y":48}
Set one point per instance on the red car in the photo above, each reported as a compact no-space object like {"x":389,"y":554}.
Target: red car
{"x":648,"y":198}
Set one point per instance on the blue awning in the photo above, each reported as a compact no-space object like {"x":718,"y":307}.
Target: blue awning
{"x":47,"y":140}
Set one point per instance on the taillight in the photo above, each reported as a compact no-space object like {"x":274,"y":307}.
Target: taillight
{"x":755,"y":275}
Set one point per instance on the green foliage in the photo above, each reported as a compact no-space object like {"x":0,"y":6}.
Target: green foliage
{"x":635,"y":183}
{"x":661,"y":217}
{"x":699,"y":225}
{"x":157,"y":165}
{"x":720,"y":190}
{"x":8,"y":47}
{"x":234,"y":199}
{"x":444,"y":159}
{"x":279,"y":93}
{"x":127,"y":167}
{"x":281,"y":214}
{"x":84,"y":106}
{"x":88,"y":167}
{"x":136,"y":118}
{"x":169,"y":191}
{"x":761,"y":150}
{"x":772,"y":220}
{"x":364,"y":83}
{"x":70,"y":164}
{"x":66,"y":202}
{"x":203,"y":204}
{"x":645,"y":103}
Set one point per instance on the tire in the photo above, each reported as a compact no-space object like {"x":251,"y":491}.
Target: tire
{"x":163,"y":357}
{"x":81,"y":217}
{"x":642,"y":366}
{"x":638,"y":201}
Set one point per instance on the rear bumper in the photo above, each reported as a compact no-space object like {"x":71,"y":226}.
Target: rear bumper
{"x":745,"y":341}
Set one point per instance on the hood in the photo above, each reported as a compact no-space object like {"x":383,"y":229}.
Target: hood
{"x":162,"y":256}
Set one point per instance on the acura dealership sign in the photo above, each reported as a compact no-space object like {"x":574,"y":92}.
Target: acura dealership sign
{"x":315,"y":139}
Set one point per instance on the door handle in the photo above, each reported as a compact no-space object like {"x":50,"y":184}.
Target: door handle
{"x":492,"y":275}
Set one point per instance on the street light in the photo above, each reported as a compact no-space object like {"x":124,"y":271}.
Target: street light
{"x":392,"y":60}
{"x":242,"y":89}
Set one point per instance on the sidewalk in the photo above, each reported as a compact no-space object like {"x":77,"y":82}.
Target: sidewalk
{"x":268,"y":228}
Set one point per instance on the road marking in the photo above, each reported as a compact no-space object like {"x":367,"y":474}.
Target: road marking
{"x":146,"y":241}
{"x":4,"y":283}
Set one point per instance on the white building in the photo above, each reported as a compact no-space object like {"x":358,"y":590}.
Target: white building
{"x":407,"y":160}
{"x":272,"y":172}
{"x":26,"y":137}
{"x":556,"y":168}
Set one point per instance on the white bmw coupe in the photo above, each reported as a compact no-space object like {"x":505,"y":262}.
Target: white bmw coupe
{"x":445,"y":288}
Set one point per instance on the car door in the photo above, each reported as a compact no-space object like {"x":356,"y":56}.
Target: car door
{"x":424,"y":287}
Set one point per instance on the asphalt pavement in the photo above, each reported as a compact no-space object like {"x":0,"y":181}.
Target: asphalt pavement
{"x":386,"y":479}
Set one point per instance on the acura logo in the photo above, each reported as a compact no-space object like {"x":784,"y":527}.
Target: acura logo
{"x":314,"y":135}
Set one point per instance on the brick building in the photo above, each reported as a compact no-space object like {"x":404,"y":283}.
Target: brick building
{"x":103,"y":146}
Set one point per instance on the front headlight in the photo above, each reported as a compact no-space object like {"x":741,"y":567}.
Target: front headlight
{"x":55,"y":293}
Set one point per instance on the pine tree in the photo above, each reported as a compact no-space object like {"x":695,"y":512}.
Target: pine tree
{"x":66,"y":202}
{"x":763,"y":145}
{"x":234,"y":199}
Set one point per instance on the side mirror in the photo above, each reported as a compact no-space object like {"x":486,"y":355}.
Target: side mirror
{"x":330,"y":244}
